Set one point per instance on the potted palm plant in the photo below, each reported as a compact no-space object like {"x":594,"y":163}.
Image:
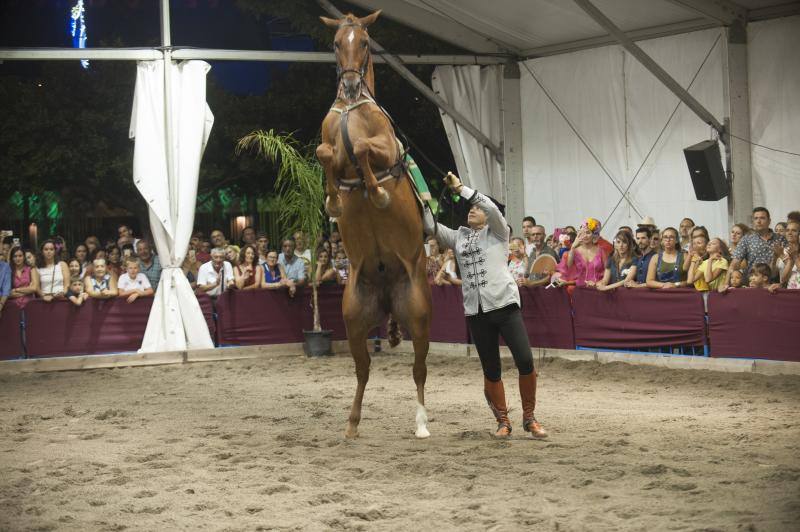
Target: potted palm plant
{"x":300,"y":195}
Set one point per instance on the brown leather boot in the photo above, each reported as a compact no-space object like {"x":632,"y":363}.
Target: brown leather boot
{"x":527,"y":392}
{"x":496,"y":397}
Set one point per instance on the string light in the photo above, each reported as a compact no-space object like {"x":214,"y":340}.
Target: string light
{"x":78,"y":29}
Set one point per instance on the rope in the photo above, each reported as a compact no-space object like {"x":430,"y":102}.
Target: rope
{"x":663,"y":129}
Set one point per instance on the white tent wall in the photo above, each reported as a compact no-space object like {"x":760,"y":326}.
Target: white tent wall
{"x":475,"y":93}
{"x":619,"y":108}
{"x":774,"y":78}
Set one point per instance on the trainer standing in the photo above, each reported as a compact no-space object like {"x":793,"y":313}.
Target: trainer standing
{"x":491,"y":302}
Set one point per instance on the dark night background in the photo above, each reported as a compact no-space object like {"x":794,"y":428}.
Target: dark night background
{"x":65,"y":156}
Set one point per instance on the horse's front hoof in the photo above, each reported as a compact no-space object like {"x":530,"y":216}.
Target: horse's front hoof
{"x":334,"y":210}
{"x":351,"y":433}
{"x":381,"y":199}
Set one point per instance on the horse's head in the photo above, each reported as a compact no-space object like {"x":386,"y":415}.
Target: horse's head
{"x":351,"y":45}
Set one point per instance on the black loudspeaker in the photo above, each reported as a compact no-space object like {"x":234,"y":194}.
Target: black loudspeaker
{"x":705,"y":168}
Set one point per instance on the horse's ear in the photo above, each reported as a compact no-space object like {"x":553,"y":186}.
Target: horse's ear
{"x":369,"y":19}
{"x":330,"y":22}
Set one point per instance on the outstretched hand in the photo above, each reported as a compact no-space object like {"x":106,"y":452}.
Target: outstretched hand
{"x":453,"y":182}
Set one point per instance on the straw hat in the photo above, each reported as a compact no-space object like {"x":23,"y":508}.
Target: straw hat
{"x":647,"y":221}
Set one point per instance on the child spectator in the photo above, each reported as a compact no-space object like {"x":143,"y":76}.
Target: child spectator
{"x":759,"y":275}
{"x":342,"y":265}
{"x":101,"y":284}
{"x":75,"y":268}
{"x":24,"y":279}
{"x":711,"y":272}
{"x":736,"y":281}
{"x":666,"y":271}
{"x":695,"y":257}
{"x":75,"y":293}
{"x":132,"y":284}
{"x":518,"y":260}
{"x":247,"y":274}
{"x":621,"y":266}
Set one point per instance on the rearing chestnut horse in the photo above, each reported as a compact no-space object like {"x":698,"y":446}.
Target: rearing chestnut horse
{"x":368,"y":190}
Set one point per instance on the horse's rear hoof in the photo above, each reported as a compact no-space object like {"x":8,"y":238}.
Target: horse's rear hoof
{"x":422,"y":433}
{"x":351,"y":433}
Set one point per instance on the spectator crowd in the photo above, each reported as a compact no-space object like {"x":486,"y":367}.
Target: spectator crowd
{"x":129,"y":268}
{"x":758,"y":255}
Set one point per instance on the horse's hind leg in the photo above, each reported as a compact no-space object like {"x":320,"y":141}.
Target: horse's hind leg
{"x":415,"y":311}
{"x":360,"y":313}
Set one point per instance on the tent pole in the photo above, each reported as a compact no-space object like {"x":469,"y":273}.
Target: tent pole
{"x":422,"y":87}
{"x":654,"y":68}
{"x":166,"y":43}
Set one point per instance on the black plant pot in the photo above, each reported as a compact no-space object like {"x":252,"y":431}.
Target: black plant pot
{"x":317,"y":343}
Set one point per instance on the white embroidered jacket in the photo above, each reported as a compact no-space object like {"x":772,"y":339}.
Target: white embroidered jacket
{"x":482,"y":256}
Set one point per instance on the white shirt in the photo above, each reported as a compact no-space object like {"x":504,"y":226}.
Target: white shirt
{"x":139,"y":283}
{"x":207,"y":275}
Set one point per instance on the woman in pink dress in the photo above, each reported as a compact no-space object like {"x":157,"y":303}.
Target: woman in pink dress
{"x":24,"y":279}
{"x":586,"y":255}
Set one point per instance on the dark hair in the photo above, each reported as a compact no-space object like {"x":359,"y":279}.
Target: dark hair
{"x":744,"y":227}
{"x":530,"y":219}
{"x":628,"y":239}
{"x":761,"y":268}
{"x":702,"y":230}
{"x":255,"y":254}
{"x":643,"y":229}
{"x":793,"y":216}
{"x":11,"y":255}
{"x":780,"y":223}
{"x":762,"y":209}
{"x":677,"y":236}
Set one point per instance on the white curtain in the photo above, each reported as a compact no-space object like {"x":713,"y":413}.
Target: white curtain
{"x":774,"y":77}
{"x":176,"y":321}
{"x":619,"y":109}
{"x":475,"y":93}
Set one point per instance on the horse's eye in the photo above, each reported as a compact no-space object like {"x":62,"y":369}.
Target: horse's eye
{"x":364,"y":44}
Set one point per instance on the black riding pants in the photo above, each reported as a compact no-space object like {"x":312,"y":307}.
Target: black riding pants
{"x":486,"y":328}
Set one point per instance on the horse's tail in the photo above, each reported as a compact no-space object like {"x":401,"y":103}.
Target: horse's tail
{"x":393,"y":333}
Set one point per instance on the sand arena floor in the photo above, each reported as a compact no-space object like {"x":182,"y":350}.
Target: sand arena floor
{"x":258,"y":445}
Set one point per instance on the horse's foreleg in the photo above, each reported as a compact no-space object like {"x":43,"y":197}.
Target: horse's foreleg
{"x":333,"y":204}
{"x":373,"y":148}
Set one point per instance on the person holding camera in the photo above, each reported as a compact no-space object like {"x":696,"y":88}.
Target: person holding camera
{"x":491,"y":302}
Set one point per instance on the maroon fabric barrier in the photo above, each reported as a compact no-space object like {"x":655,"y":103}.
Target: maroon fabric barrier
{"x":753,"y":323}
{"x":448,"y":323}
{"x":630,"y":318}
{"x":10,"y":341}
{"x":548,"y":317}
{"x":98,"y":326}
{"x":329,"y":299}
{"x":208,"y":313}
{"x":254,"y":317}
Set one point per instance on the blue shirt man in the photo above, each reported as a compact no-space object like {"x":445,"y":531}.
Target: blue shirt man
{"x":646,"y":253}
{"x":294,"y":266}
